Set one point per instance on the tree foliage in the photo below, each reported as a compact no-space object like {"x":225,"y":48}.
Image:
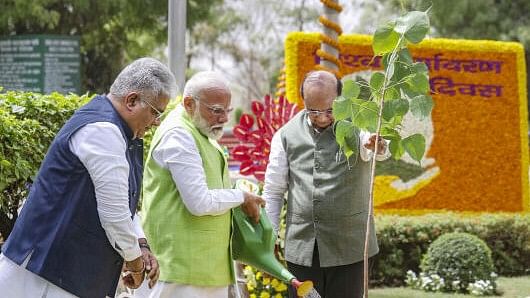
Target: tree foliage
{"x":402,"y":87}
{"x":485,"y":19}
{"x":471,"y":19}
{"x":112,"y":31}
{"x":245,"y":41}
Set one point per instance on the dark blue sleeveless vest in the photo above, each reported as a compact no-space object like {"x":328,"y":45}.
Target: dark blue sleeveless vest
{"x":59,"y":223}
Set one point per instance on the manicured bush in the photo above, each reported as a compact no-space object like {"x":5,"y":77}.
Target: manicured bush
{"x":459,"y":259}
{"x":28,"y":124}
{"x":404,"y":239}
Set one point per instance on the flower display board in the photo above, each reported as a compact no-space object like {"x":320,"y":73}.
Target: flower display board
{"x":477,"y":138}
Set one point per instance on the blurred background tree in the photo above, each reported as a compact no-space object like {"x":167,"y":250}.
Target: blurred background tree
{"x":469,"y":19}
{"x":241,"y":39}
{"x":112,"y":32}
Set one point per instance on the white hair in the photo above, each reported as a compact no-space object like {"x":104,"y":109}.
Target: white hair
{"x":202,"y":81}
{"x":147,"y":76}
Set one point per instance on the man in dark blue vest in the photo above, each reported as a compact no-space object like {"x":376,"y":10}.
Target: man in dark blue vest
{"x":78,"y":225}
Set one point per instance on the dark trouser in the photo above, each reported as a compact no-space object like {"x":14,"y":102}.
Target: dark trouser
{"x":330,"y":282}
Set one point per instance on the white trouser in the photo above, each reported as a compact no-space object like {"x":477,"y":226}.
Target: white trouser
{"x":17,"y":282}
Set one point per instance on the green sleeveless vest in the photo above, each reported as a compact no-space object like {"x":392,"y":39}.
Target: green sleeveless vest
{"x":190,"y":249}
{"x":327,"y":198}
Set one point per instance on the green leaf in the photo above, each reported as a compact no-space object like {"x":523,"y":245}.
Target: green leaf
{"x":419,"y":83}
{"x":342,"y":129}
{"x":401,"y":65}
{"x":350,"y":89}
{"x":421,"y":106}
{"x":385,"y":39}
{"x":341,"y":108}
{"x":376,"y":81}
{"x":391,"y":94}
{"x":347,"y":137}
{"x":388,"y":111}
{"x":419,"y":67}
{"x":389,"y":133}
{"x":356,"y":105}
{"x":409,"y":92}
{"x":401,"y":106}
{"x":400,"y":73}
{"x":415,"y":146}
{"x":405,"y":56}
{"x":385,"y":59}
{"x":396,"y":148}
{"x":394,"y":108}
{"x":414,"y":25}
{"x":352,"y":142}
{"x":366,"y":117}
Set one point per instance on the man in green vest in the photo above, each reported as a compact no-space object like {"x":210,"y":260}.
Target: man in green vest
{"x":187,"y":195}
{"x":327,"y":195}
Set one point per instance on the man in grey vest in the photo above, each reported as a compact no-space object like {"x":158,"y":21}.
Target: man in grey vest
{"x":327,"y":195}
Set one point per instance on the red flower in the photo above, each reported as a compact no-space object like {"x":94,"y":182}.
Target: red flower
{"x":256,"y":141}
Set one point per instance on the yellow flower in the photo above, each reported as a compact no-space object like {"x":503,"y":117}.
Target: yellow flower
{"x":250,"y":287}
{"x":274,"y":283}
{"x":252,"y":296}
{"x":281,"y":287}
{"x":264,"y":295}
{"x":258,"y":275}
{"x":266,"y":281}
{"x":278,"y":295}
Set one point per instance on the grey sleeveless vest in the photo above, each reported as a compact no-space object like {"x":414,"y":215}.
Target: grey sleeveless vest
{"x":327,"y":198}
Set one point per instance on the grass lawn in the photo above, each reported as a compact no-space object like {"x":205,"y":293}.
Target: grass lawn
{"x":513,"y":287}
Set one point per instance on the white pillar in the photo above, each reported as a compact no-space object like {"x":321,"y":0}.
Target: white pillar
{"x":176,"y":40}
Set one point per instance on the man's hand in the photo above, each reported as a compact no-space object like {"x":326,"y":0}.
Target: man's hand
{"x":151,"y":264}
{"x":251,"y":206}
{"x":135,"y":272}
{"x":381,"y":148}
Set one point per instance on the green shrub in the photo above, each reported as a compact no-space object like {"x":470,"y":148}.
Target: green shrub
{"x":404,"y":239}
{"x":28,"y":124}
{"x":460,"y":259}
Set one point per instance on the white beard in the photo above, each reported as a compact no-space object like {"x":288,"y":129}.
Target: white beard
{"x":214,"y":132}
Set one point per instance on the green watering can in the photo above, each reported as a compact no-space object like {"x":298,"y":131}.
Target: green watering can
{"x":253,"y":244}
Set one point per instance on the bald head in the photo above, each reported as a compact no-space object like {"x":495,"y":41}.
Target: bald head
{"x":320,"y":79}
{"x":318,"y":90}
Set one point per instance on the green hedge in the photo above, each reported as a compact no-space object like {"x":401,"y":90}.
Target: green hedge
{"x":404,"y":240}
{"x":28,"y":124}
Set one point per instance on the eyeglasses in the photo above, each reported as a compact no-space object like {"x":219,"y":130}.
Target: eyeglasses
{"x":157,"y":113}
{"x":316,"y":113}
{"x":216,"y":110}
